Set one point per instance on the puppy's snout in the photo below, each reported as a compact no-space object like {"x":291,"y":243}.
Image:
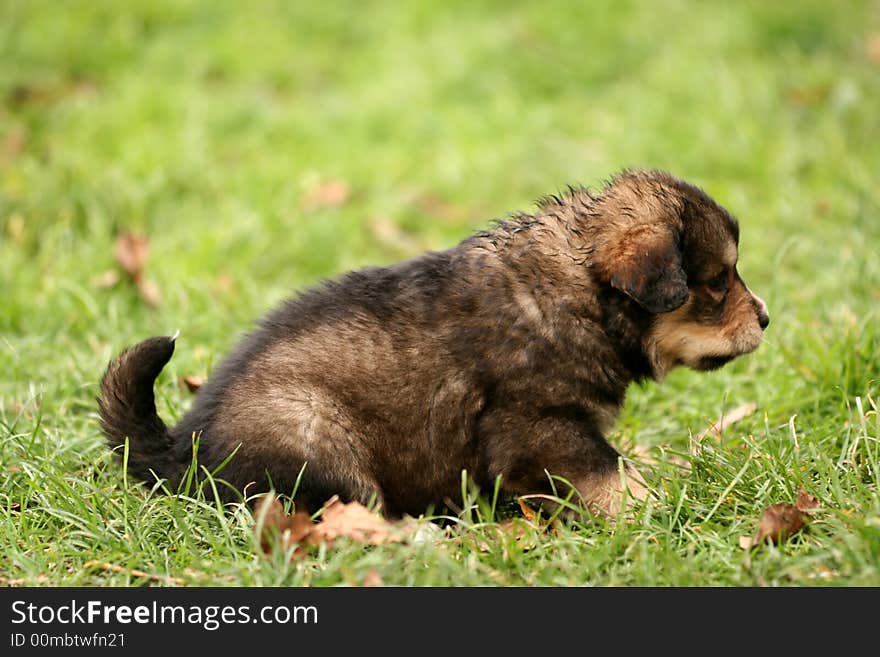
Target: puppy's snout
{"x":761,"y":309}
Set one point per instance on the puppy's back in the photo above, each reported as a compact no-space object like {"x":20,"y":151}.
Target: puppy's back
{"x":357,"y":381}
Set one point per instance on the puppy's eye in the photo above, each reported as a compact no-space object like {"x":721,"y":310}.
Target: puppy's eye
{"x":718,"y":283}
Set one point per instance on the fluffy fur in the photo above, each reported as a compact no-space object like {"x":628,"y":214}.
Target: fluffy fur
{"x":507,"y":356}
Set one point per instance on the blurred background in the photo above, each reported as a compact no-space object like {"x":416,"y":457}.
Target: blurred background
{"x":257,"y":147}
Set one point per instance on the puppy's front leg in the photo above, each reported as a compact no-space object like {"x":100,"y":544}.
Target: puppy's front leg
{"x":608,"y":493}
{"x":562,"y":441}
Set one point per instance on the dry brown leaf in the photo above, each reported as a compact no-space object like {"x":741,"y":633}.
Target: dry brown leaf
{"x":781,"y":521}
{"x":527,"y":511}
{"x":331,"y":194}
{"x":531,"y":517}
{"x":778,"y":522}
{"x":353,"y":520}
{"x":729,"y":418}
{"x":281,"y":528}
{"x":349,"y":520}
{"x":131,"y":252}
{"x":192,"y":383}
{"x":806,"y":502}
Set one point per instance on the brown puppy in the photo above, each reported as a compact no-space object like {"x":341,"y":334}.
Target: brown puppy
{"x":506,"y":356}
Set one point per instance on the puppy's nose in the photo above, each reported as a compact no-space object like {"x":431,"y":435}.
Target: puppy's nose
{"x":763,"y":315}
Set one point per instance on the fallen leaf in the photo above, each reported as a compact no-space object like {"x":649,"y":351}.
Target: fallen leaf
{"x":281,"y":528}
{"x":727,"y":419}
{"x":527,"y":511}
{"x":782,"y":520}
{"x":530,"y":515}
{"x":131,"y":251}
{"x":778,"y":522}
{"x":806,"y":502}
{"x":192,"y":383}
{"x":331,"y":194}
{"x":338,"y":520}
{"x":352,"y":520}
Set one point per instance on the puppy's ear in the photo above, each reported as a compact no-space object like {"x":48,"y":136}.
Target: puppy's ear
{"x":645,"y":264}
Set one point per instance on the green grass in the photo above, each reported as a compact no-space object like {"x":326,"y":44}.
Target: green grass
{"x":206,"y":125}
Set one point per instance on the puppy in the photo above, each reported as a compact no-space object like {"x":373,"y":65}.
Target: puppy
{"x":507,"y":356}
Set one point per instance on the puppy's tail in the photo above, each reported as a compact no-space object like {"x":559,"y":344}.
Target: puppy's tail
{"x":128,"y":409}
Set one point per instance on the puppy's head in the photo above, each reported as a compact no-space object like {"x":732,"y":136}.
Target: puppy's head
{"x":673,"y":250}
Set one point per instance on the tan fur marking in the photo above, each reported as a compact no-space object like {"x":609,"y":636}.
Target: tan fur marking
{"x":730,"y":255}
{"x":606,"y":494}
{"x":294,"y":410}
{"x":528,"y":305}
{"x":676,"y":340}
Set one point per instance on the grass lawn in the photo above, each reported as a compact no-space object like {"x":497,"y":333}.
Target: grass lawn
{"x":263,"y":146}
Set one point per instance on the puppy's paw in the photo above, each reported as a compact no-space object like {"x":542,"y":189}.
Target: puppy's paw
{"x":608,"y":494}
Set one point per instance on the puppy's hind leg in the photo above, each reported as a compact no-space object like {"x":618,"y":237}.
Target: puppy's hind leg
{"x":299,"y":439}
